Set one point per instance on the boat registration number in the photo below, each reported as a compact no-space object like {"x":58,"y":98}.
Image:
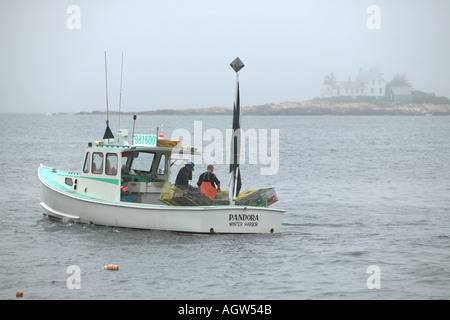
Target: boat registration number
{"x":147,"y":140}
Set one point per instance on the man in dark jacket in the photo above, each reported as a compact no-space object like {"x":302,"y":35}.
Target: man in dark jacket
{"x":184,"y":175}
{"x":207,"y":182}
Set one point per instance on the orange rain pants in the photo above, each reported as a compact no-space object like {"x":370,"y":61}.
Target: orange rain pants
{"x":208,"y":190}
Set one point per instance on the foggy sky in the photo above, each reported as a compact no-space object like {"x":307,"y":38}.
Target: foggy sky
{"x":177,"y":53}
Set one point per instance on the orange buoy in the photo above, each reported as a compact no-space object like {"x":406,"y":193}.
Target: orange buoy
{"x":112,"y":267}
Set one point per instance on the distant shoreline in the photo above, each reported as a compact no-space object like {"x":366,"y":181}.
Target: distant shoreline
{"x":311,"y":107}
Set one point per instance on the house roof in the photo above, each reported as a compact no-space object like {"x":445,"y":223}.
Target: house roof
{"x":367,"y":76}
{"x":351,"y":84}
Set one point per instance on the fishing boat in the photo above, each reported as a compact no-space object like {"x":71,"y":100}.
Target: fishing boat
{"x":127,"y":185}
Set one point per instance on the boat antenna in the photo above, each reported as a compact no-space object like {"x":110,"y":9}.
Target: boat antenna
{"x":235,"y":174}
{"x":108,"y":134}
{"x":120,"y":96}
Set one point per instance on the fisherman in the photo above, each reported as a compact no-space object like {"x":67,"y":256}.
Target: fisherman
{"x":184,"y":175}
{"x":207,"y":182}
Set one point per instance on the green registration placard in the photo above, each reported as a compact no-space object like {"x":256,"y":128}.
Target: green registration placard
{"x":147,"y":140}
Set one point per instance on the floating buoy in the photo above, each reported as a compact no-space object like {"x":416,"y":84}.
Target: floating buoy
{"x":19,"y":294}
{"x":112,"y":267}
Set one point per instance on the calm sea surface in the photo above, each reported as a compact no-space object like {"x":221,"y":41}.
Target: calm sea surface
{"x":367,"y":204}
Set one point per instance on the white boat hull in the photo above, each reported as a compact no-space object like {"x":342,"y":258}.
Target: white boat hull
{"x":206,"y":219}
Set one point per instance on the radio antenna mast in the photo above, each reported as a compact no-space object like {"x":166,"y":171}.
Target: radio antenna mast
{"x":120,"y":96}
{"x":108,"y":134}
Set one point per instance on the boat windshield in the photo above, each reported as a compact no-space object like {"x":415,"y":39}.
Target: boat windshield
{"x":142,"y":161}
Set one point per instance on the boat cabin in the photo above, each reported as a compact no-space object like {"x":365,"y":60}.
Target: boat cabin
{"x":125,"y":173}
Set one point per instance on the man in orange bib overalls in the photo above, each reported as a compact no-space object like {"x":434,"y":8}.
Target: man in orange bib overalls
{"x":207,"y":183}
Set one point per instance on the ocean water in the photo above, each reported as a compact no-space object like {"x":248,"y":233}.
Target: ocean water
{"x":367,"y":202}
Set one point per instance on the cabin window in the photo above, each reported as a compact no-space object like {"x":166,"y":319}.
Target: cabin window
{"x":87,"y":162}
{"x":111,"y":164}
{"x":143,"y":162}
{"x":97,"y":162}
{"x":162,"y":165}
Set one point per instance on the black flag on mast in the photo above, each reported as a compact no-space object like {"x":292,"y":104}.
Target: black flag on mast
{"x":108,"y":133}
{"x":236,"y":138}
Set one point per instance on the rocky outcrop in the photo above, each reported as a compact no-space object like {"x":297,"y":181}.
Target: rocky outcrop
{"x":311,"y":107}
{"x":346,"y":108}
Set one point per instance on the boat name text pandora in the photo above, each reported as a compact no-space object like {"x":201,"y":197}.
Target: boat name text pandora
{"x":243,"y":217}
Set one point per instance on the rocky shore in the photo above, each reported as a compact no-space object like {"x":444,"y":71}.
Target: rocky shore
{"x":348,"y":108}
{"x":310,"y":107}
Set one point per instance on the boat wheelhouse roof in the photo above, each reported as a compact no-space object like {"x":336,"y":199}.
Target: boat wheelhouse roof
{"x":162,"y":146}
